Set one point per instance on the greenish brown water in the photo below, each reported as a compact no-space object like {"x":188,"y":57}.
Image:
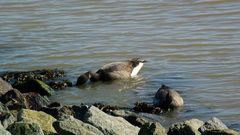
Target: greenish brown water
{"x":190,"y":45}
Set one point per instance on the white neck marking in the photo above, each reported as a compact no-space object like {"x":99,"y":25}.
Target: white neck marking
{"x":136,"y":69}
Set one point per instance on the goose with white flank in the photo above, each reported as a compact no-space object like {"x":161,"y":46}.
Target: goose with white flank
{"x":113,"y":71}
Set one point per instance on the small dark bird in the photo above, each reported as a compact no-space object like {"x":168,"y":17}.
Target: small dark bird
{"x":113,"y":71}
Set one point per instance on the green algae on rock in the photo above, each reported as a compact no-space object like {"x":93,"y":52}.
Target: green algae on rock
{"x":25,"y":128}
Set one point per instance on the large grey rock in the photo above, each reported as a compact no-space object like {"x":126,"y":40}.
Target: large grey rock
{"x":221,"y":132}
{"x":3,"y":131}
{"x":74,"y":126}
{"x":152,"y":129}
{"x":25,"y":128}
{"x":109,"y":125}
{"x":4,"y":87}
{"x":6,"y":118}
{"x":131,"y":117}
{"x":44,"y":120}
{"x":188,"y":127}
{"x":213,"y":124}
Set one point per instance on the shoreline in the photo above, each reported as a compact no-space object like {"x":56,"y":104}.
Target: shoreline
{"x":26,"y":93}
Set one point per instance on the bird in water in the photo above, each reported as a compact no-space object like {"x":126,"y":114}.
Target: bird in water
{"x":113,"y":71}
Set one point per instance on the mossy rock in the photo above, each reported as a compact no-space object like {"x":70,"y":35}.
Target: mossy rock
{"x":34,"y":86}
{"x":44,"y":120}
{"x":25,"y":128}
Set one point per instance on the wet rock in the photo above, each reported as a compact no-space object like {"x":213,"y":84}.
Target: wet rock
{"x":213,"y":124}
{"x":76,"y":111}
{"x":109,"y":124}
{"x":4,"y":87}
{"x":45,"y":74}
{"x":167,"y":98}
{"x":221,"y":132}
{"x":25,"y":128}
{"x":44,"y":120}
{"x":34,"y":86}
{"x":131,"y":117}
{"x":152,"y":129}
{"x":188,"y":127}
{"x":54,"y":104}
{"x":146,"y":108}
{"x":35,"y":101}
{"x":59,"y":85}
{"x":13,"y":99}
{"x":6,"y":117}
{"x":74,"y":126}
{"x":106,"y":108}
{"x":3,"y":131}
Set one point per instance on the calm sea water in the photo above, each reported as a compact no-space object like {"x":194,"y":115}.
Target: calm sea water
{"x":190,"y":45}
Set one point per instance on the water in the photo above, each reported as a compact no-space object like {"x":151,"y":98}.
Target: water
{"x":190,"y":45}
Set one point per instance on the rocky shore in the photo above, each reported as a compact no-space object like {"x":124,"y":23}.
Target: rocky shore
{"x":26,"y":110}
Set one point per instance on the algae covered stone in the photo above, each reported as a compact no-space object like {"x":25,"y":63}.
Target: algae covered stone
{"x":34,"y":86}
{"x":152,"y":129}
{"x":25,"y":128}
{"x":44,"y":120}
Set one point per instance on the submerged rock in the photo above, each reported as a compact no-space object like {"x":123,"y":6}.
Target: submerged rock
{"x":109,"y":124}
{"x":74,"y":126}
{"x":25,"y":128}
{"x":59,"y":85}
{"x":152,"y":129}
{"x":147,"y":108}
{"x":44,"y":74}
{"x":188,"y":127}
{"x":34,"y":86}
{"x":167,"y":98}
{"x":4,"y":87}
{"x":44,"y":120}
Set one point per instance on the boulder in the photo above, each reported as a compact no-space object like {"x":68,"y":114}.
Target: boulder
{"x":152,"y":129}
{"x":4,"y":87}
{"x":35,"y":101}
{"x":44,"y":120}
{"x":188,"y":127}
{"x":109,"y":124}
{"x":6,"y":118}
{"x":167,"y":98}
{"x":25,"y":128}
{"x":3,"y":131}
{"x":34,"y":86}
{"x":13,"y":99}
{"x":221,"y":132}
{"x":213,"y":124}
{"x":74,"y":126}
{"x":147,"y":108}
{"x":131,"y":117}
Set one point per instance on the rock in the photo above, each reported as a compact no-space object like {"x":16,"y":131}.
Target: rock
{"x":13,"y":99}
{"x":221,"y":132}
{"x":105,"y":108}
{"x":44,"y":120}
{"x":25,"y":128}
{"x":131,"y":117}
{"x":152,"y":129}
{"x":59,"y":85}
{"x":4,"y":87}
{"x":109,"y":124}
{"x":34,"y":86}
{"x":167,"y":98}
{"x":188,"y":127}
{"x":73,"y":126}
{"x":35,"y":101}
{"x":4,"y":132}
{"x":146,"y":108}
{"x":44,"y":74}
{"x":6,"y":118}
{"x":213,"y":124}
